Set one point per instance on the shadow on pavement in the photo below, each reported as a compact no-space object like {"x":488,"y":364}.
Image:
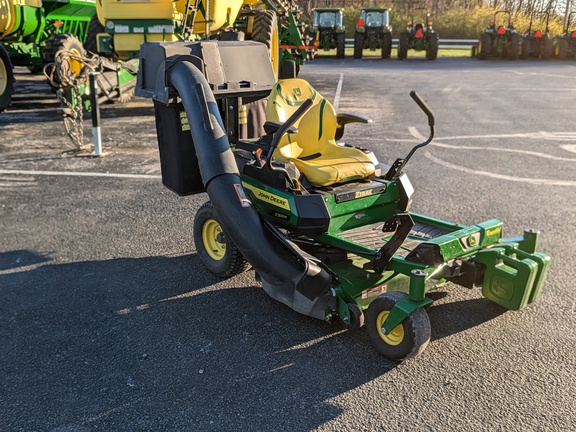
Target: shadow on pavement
{"x":152,"y":343}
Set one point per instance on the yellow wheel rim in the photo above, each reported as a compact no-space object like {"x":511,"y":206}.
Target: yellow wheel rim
{"x":213,"y":239}
{"x":275,"y":51}
{"x":396,"y":336}
{"x":3,"y":77}
{"x":75,"y":65}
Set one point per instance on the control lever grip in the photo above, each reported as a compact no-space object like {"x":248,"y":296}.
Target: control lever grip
{"x":423,"y":106}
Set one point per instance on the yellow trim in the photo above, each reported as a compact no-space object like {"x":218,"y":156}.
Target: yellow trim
{"x":3,"y":77}
{"x":396,"y":336}
{"x":211,"y":230}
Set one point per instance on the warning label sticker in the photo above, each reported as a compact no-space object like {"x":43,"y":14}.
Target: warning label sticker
{"x":244,"y":201}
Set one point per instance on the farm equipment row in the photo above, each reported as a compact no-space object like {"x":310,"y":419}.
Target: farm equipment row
{"x":374,"y":32}
{"x":502,"y":40}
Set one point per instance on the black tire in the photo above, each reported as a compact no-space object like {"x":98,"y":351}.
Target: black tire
{"x":356,"y":317}
{"x":94,"y":27}
{"x":340,"y":45}
{"x":216,"y":250}
{"x":403,"y":46}
{"x":358,"y":45}
{"x":561,"y":49}
{"x":386,"y":45}
{"x":408,"y":339}
{"x":6,"y":79}
{"x":547,"y":49}
{"x":265,"y":30}
{"x":484,"y":46}
{"x":432,"y":49}
{"x":35,"y":69}
{"x":288,"y":69}
{"x":526,"y":48}
{"x":62,"y":45}
{"x":514,"y":48}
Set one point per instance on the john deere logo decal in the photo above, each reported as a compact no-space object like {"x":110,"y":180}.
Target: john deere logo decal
{"x":271,"y":198}
{"x":297,"y":93}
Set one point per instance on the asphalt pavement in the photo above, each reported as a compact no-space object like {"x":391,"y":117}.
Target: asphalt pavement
{"x":109,"y":321}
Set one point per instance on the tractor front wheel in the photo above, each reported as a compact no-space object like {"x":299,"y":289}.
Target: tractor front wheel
{"x":216,"y":250}
{"x":407,"y":339}
{"x":340,"y":45}
{"x":6,"y":79}
{"x":403,"y":46}
{"x":358,"y":45}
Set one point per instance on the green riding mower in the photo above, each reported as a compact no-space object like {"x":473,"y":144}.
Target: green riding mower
{"x":373,"y":32}
{"x":328,"y":30}
{"x":419,"y":37}
{"x":500,"y":40}
{"x":326,"y":226}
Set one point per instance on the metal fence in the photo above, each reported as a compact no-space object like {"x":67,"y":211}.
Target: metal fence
{"x":443,"y":43}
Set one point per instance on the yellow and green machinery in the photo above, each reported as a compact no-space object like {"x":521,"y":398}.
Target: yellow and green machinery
{"x":31,"y":31}
{"x":326,"y":227}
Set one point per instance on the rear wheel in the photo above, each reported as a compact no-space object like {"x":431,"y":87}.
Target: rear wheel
{"x":6,"y":79}
{"x":358,"y":45}
{"x":525,"y":49}
{"x":406,"y":340}
{"x":340,"y":45}
{"x":403,"y":46}
{"x":386,"y":45}
{"x":288,"y":69}
{"x":432,"y":49}
{"x":94,"y":27}
{"x":514,"y":48}
{"x":265,"y":30}
{"x":547,"y":49}
{"x":484,"y":46}
{"x":216,"y":250}
{"x":561,"y":49}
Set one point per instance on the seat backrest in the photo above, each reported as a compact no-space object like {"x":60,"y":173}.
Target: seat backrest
{"x":315,"y":128}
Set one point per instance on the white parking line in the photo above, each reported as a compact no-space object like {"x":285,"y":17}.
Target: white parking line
{"x":531,"y":180}
{"x":338,"y":91}
{"x":81,"y":174}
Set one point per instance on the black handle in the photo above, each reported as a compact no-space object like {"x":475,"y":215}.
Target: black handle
{"x":423,"y":106}
{"x":286,"y":125}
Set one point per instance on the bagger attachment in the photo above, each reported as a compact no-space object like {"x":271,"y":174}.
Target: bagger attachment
{"x":326,"y":226}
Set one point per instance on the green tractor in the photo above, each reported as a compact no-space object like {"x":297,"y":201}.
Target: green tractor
{"x":373,"y":31}
{"x":500,"y":40}
{"x":327,"y":228}
{"x":565,"y":44}
{"x":33,"y":31}
{"x":328,"y":31}
{"x":535,"y":42}
{"x":419,"y":37}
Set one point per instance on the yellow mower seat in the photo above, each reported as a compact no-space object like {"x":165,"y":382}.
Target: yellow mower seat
{"x":313,"y":148}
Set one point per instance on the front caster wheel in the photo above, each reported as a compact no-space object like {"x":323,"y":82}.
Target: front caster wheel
{"x":406,"y":340}
{"x":217,"y":251}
